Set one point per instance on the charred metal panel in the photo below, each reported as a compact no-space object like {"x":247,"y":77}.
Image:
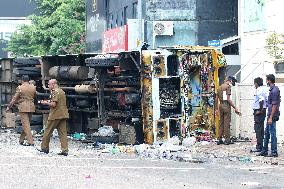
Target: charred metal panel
{"x":118,"y":89}
{"x":181,"y":97}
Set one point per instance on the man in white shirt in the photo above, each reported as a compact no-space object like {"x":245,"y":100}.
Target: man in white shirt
{"x":259,"y":111}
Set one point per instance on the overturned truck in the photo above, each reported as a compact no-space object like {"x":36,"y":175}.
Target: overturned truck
{"x":146,"y":96}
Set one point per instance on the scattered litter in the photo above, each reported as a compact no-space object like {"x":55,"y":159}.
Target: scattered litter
{"x":189,"y":141}
{"x":79,"y":136}
{"x":55,"y":133}
{"x":262,"y":172}
{"x":274,"y":163}
{"x":201,"y":134}
{"x":204,"y":143}
{"x":105,"y":131}
{"x":244,"y":159}
{"x":256,"y":168}
{"x":88,"y":177}
{"x":174,"y":140}
{"x":250,"y":183}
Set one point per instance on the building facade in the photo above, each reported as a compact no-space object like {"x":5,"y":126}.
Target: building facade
{"x":257,"y":19}
{"x":12,"y":14}
{"x":165,"y":22}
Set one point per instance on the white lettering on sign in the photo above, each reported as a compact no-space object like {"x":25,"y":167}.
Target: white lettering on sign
{"x":8,"y":27}
{"x":5,"y":35}
{"x":94,"y":22}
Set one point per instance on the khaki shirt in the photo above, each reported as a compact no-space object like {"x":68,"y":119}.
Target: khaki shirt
{"x":60,"y":111}
{"x":25,"y":95}
{"x":223,"y":91}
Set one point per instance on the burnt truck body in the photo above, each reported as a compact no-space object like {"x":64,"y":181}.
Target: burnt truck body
{"x":155,"y":94}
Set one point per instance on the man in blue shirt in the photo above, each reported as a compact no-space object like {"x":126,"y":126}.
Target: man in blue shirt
{"x":259,"y":111}
{"x":273,"y":114}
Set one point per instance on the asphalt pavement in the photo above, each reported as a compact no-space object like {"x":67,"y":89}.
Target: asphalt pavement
{"x":88,"y":168}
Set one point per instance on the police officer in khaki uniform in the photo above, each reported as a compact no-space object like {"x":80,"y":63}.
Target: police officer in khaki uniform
{"x":24,"y":96}
{"x":224,"y":104}
{"x":57,"y":118}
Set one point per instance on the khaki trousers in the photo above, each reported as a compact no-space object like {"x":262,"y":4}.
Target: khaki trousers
{"x":26,"y":133}
{"x":225,"y":121}
{"x":60,"y":125}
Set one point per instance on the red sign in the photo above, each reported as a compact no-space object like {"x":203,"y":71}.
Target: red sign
{"x":115,"y":40}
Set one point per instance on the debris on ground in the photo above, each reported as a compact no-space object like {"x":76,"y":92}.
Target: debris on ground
{"x":189,"y":150}
{"x":250,"y":183}
{"x":104,"y":131}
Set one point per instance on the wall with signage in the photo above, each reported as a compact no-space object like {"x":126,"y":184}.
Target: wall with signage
{"x":191,"y":21}
{"x":96,"y":24}
{"x":7,"y":27}
{"x":115,"y":40}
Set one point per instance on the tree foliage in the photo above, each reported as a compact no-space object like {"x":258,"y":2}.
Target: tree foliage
{"x":275,"y":47}
{"x":58,"y":28}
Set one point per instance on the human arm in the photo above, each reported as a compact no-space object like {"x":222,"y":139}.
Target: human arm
{"x":261,"y":98}
{"x":53,"y":99}
{"x":232,"y":104}
{"x":14,"y":99}
{"x":273,"y":110}
{"x":275,"y":101}
{"x":49,"y":103}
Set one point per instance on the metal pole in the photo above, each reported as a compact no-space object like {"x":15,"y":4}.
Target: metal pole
{"x":140,"y":9}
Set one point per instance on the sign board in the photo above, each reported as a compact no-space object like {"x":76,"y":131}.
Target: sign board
{"x":115,"y":40}
{"x":214,"y":43}
{"x":8,"y":26}
{"x":95,"y":25}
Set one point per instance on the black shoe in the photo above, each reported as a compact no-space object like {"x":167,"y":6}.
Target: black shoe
{"x":220,"y":142}
{"x":63,"y":154}
{"x":43,"y":150}
{"x":21,"y":143}
{"x":28,"y":144}
{"x":265,"y":154}
{"x":273,"y":155}
{"x":255,"y":150}
{"x":228,"y":142}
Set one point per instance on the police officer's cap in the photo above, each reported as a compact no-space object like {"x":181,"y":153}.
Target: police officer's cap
{"x":232,"y":79}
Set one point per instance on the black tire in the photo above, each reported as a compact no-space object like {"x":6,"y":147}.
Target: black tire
{"x":20,"y":72}
{"x":31,"y":69}
{"x":26,"y":61}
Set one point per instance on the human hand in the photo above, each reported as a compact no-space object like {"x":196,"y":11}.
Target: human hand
{"x":238,"y":112}
{"x":216,"y":112}
{"x":269,"y":121}
{"x":43,"y":102}
{"x":257,"y":112}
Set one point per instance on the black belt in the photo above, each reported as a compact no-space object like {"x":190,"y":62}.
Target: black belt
{"x":259,"y":109}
